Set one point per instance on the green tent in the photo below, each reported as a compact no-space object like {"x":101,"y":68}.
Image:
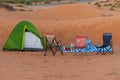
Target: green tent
{"x":24,"y":37}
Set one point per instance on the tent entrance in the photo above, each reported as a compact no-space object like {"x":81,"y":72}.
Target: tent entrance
{"x":32,"y":42}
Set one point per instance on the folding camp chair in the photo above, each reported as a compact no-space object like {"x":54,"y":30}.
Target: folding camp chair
{"x":107,"y":44}
{"x":52,"y":45}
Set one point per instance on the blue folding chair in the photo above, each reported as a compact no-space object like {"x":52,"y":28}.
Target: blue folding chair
{"x":107,"y":44}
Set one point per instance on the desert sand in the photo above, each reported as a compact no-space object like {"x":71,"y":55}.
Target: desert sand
{"x":65,"y":21}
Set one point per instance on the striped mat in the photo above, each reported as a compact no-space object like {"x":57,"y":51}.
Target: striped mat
{"x":88,"y":49}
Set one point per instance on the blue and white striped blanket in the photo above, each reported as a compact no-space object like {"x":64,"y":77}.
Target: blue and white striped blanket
{"x":88,"y":49}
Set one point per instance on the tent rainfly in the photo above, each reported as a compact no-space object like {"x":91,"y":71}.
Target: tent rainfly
{"x":25,"y":37}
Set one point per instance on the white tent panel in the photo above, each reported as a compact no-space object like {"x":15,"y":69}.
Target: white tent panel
{"x":32,"y":41}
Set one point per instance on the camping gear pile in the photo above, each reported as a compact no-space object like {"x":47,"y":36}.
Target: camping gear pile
{"x":88,"y":48}
{"x":84,"y":45}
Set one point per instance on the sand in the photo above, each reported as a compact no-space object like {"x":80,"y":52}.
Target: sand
{"x":65,"y":21}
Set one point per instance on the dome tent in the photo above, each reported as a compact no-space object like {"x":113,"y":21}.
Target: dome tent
{"x":24,"y":37}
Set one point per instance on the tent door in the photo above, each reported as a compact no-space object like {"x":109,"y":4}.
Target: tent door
{"x":31,"y":41}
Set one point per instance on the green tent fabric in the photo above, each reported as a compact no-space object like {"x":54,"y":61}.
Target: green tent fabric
{"x":16,"y":39}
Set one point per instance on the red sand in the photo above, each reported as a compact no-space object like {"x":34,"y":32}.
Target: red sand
{"x":65,"y":21}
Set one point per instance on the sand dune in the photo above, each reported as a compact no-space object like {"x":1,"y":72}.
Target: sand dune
{"x":69,"y":20}
{"x":65,"y":21}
